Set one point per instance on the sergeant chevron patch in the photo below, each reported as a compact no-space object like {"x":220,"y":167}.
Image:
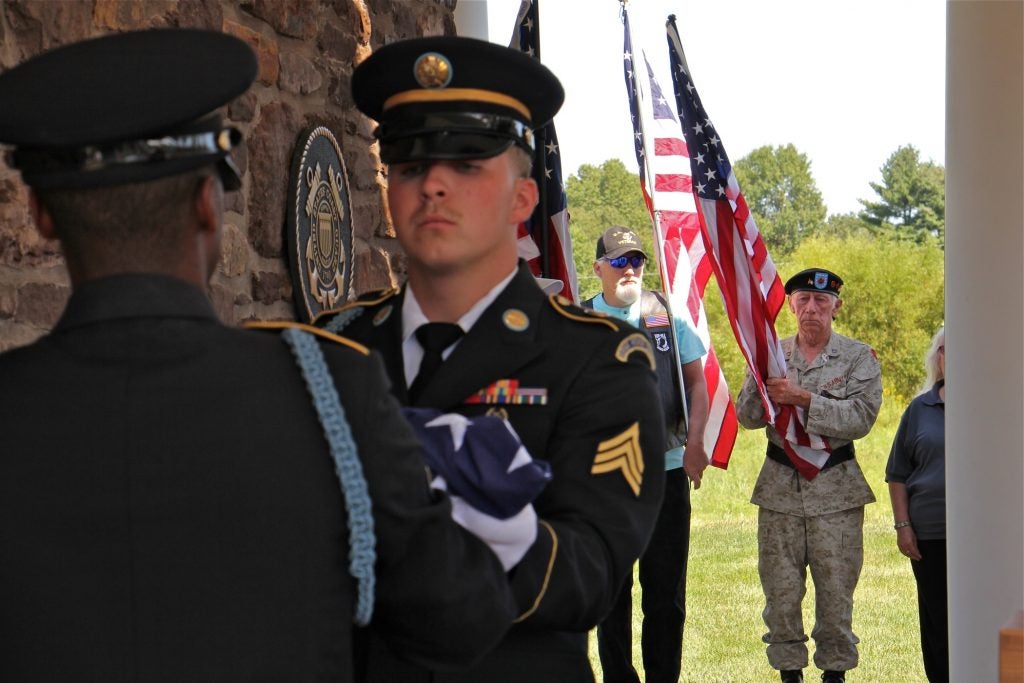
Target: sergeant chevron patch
{"x":623,"y":453}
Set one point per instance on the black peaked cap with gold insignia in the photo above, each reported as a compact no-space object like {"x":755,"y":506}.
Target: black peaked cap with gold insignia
{"x":125,"y":108}
{"x":454,"y":98}
{"x":815,"y":280}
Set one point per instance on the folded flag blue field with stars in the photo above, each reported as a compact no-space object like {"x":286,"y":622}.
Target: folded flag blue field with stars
{"x":751,"y":287}
{"x":481,"y":460}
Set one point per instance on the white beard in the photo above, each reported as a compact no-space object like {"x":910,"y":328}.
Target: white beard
{"x":627,"y":293}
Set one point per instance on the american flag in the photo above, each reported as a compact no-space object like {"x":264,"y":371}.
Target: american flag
{"x":547,"y":171}
{"x":751,"y":288}
{"x":686,"y":269}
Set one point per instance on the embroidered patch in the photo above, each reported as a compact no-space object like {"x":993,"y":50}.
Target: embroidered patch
{"x":622,"y":453}
{"x":508,"y":392}
{"x":635,"y":343}
{"x":834,"y":382}
{"x":661,"y":341}
{"x":656,"y":321}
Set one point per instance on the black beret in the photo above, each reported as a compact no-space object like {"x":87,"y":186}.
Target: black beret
{"x":124,"y":108}
{"x":814,"y":280}
{"x":454,"y":98}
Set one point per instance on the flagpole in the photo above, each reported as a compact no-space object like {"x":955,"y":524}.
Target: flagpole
{"x":540,"y":214}
{"x":658,"y":242}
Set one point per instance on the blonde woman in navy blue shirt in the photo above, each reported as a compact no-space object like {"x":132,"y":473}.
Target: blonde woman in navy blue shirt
{"x":917,"y":486}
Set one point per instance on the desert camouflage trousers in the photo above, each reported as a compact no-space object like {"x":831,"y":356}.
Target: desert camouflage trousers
{"x":832,"y":546}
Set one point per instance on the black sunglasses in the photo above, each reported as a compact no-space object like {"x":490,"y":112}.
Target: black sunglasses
{"x":621,"y":261}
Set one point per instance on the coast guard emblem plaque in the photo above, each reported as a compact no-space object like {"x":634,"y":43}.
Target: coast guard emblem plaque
{"x":319,"y":230}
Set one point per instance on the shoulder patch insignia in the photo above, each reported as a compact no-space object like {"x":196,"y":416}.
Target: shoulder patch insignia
{"x":323,"y":334}
{"x":565,"y":308}
{"x":622,"y":452}
{"x":635,"y":343}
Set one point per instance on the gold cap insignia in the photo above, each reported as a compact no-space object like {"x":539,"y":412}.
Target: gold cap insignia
{"x":382,"y":315}
{"x":515,"y":320}
{"x":433,"y":70}
{"x":622,"y":452}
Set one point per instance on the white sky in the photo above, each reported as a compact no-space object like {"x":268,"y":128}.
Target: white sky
{"x":847,"y":82}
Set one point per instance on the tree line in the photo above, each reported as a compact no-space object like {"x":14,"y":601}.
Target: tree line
{"x":890,"y":253}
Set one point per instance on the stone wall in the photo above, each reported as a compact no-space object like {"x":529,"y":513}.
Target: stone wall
{"x":306,"y":50}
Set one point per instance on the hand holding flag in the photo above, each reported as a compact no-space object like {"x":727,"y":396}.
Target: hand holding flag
{"x":751,"y":288}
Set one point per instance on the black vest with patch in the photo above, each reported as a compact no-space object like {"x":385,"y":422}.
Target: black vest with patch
{"x":653,"y":304}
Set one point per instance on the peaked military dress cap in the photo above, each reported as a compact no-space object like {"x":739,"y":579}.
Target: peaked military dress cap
{"x":125,"y":108}
{"x":814,"y":280}
{"x":454,"y":98}
{"x":616,"y":241}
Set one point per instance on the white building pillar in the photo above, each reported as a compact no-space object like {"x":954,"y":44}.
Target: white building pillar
{"x":985,"y":328}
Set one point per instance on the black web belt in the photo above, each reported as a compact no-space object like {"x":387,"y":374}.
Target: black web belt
{"x":839,"y":455}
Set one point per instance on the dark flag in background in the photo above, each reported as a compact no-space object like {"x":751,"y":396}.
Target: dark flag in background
{"x":545,"y":241}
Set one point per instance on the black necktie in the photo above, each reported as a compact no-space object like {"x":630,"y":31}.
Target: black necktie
{"x":434,"y":338}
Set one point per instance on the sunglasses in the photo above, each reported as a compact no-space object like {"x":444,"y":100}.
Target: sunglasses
{"x":621,"y":261}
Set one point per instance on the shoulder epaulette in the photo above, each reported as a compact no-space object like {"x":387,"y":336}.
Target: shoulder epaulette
{"x":567,"y":309}
{"x":365,"y":300}
{"x":323,"y":334}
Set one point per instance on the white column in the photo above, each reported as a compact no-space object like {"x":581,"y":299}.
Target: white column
{"x":985,"y":328}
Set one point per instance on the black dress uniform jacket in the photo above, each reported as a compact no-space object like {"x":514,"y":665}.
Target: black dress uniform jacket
{"x":169,"y":510}
{"x":598,"y":383}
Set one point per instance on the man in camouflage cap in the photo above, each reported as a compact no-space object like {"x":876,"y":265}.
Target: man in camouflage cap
{"x":814,"y":522}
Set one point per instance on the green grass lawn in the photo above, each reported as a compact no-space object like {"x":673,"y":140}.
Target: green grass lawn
{"x":722,"y":642}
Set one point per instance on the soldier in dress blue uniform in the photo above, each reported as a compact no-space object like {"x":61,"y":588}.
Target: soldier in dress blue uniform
{"x":471,"y":332}
{"x":169,"y":507}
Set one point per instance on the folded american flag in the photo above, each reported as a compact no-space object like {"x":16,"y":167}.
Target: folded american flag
{"x":481,"y":460}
